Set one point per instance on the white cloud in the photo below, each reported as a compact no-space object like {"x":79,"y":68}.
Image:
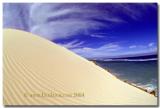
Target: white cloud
{"x":151,"y":44}
{"x":73,"y":44}
{"x":64,"y":29}
{"x":97,"y":35}
{"x":105,"y":50}
{"x":56,"y":21}
{"x":60,"y":20}
{"x":113,"y":49}
{"x":132,"y":46}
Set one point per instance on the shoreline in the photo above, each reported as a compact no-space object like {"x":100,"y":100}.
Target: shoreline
{"x":152,"y":92}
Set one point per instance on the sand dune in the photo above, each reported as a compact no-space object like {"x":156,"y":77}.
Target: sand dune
{"x":39,"y":72}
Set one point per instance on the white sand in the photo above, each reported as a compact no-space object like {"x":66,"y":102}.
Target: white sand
{"x":33,"y":65}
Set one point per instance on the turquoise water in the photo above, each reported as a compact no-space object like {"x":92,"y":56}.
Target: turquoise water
{"x":141,"y":73}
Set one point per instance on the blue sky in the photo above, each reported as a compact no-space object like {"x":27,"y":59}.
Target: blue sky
{"x":90,"y":30}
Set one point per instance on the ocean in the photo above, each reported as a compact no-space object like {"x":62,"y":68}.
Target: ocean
{"x":141,"y":73}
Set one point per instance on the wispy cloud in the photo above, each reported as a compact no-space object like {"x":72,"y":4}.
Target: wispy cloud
{"x":16,"y":15}
{"x":111,"y":49}
{"x":66,"y":20}
{"x":58,"y":20}
{"x":97,"y":35}
{"x":132,"y":46}
{"x":102,"y":51}
{"x":73,"y":44}
{"x":141,"y":49}
{"x":151,"y":44}
{"x":64,"y":29}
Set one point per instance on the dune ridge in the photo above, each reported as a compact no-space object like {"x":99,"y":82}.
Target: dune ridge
{"x":35,"y":68}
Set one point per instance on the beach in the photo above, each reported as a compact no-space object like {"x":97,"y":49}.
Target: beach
{"x":40,"y":72}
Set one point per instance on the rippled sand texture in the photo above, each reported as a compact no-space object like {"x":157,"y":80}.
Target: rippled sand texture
{"x":33,"y":65}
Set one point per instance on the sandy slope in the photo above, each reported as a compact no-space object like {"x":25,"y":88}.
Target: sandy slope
{"x":33,"y":65}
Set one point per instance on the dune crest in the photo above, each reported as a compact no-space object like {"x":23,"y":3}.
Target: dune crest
{"x":39,"y":72}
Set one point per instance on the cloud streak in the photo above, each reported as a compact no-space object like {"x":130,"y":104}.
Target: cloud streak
{"x":58,"y":20}
{"x":104,"y":50}
{"x":73,"y":44}
{"x":111,"y":49}
{"x":66,"y":20}
{"x":132,"y":46}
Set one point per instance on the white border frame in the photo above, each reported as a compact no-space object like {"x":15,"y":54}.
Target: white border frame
{"x":55,"y":1}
